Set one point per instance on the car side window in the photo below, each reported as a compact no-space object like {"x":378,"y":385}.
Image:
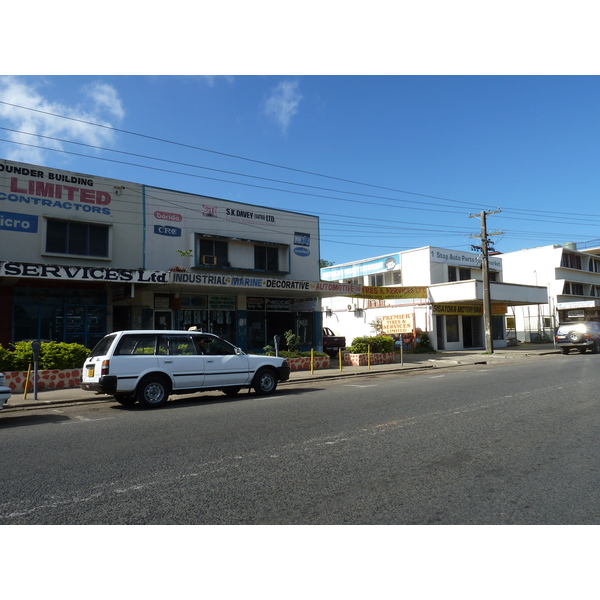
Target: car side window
{"x":178,"y":345}
{"x":135,"y":345}
{"x":215,"y":346}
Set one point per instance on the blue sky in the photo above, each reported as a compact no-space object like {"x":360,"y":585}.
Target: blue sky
{"x":387,"y":162}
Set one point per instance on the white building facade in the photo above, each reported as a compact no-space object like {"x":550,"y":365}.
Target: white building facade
{"x":428,"y":289}
{"x":572,"y":278}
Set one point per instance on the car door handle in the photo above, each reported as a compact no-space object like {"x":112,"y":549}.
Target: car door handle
{"x":168,"y":361}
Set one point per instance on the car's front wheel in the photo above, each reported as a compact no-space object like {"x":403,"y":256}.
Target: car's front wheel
{"x":153,"y":391}
{"x":265,"y":381}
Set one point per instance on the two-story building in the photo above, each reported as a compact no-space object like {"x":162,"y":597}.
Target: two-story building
{"x":436,"y":290}
{"x":82,"y":255}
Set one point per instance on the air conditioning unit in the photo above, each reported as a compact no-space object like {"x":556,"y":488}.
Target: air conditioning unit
{"x":208,"y":259}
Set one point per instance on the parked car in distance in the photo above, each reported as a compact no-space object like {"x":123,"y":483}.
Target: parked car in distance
{"x":5,"y":391}
{"x":332,"y":343}
{"x":579,"y":335}
{"x":147,"y":366}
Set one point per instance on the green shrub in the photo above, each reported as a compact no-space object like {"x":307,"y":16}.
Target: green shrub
{"x":5,"y":359}
{"x":53,"y":355}
{"x":378,"y":343}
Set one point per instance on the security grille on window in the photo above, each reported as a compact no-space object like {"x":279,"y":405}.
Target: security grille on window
{"x":77,"y":238}
{"x":266,"y":258}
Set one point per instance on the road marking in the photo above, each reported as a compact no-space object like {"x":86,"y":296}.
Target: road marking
{"x":360,"y":386}
{"x":80,"y":419}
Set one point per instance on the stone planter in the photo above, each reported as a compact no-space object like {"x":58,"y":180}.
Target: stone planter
{"x":362,"y":360}
{"x":303,"y":363}
{"x":54,"y":379}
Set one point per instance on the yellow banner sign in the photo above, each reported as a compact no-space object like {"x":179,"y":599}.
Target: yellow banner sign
{"x":390,"y":293}
{"x":466,"y":309}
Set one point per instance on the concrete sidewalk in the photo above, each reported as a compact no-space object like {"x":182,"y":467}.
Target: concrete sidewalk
{"x":410,"y":362}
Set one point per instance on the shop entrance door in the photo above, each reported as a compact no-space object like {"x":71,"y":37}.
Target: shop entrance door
{"x":472,"y":332}
{"x":163,"y":319}
{"x":277,"y":324}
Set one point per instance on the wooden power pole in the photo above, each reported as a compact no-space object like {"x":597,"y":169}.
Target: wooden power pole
{"x":487,"y":299}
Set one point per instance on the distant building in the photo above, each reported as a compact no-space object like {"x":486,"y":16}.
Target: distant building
{"x":572,"y":278}
{"x":431,"y":289}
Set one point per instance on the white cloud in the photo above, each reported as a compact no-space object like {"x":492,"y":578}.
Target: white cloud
{"x":100,"y":104}
{"x":283,"y":103}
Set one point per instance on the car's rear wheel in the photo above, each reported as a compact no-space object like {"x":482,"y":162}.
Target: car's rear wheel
{"x":596,"y":347}
{"x":265,"y":382}
{"x":153,"y":391}
{"x":125,"y":400}
{"x":565,"y":350}
{"x":581,"y":350}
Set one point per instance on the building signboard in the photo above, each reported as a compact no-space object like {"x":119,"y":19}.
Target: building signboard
{"x":75,"y":273}
{"x":466,"y":309}
{"x":463,"y":259}
{"x":382,"y":293}
{"x":393,"y":324}
{"x":580,"y":304}
{"x":367,"y":267}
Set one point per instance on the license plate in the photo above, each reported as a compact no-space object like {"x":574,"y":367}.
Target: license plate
{"x":90,"y":371}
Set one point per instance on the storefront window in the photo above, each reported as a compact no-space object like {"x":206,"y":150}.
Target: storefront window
{"x":71,"y":316}
{"x":452,"y":334}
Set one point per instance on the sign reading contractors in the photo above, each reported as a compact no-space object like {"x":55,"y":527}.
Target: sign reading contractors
{"x":72,"y":273}
{"x":24,"y":185}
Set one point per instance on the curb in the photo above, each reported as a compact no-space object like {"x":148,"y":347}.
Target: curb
{"x":322,"y":374}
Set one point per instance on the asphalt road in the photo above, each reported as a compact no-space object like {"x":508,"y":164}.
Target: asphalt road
{"x":485,"y":444}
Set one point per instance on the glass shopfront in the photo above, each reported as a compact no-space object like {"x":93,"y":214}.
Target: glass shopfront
{"x":60,"y":315}
{"x":213,"y":314}
{"x":268,"y":317}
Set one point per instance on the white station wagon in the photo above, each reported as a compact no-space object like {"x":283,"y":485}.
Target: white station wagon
{"x":147,"y":366}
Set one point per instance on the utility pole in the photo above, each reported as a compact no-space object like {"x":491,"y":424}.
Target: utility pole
{"x":487,"y":299}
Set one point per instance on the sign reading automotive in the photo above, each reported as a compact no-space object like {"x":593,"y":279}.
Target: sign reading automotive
{"x":392,"y":324}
